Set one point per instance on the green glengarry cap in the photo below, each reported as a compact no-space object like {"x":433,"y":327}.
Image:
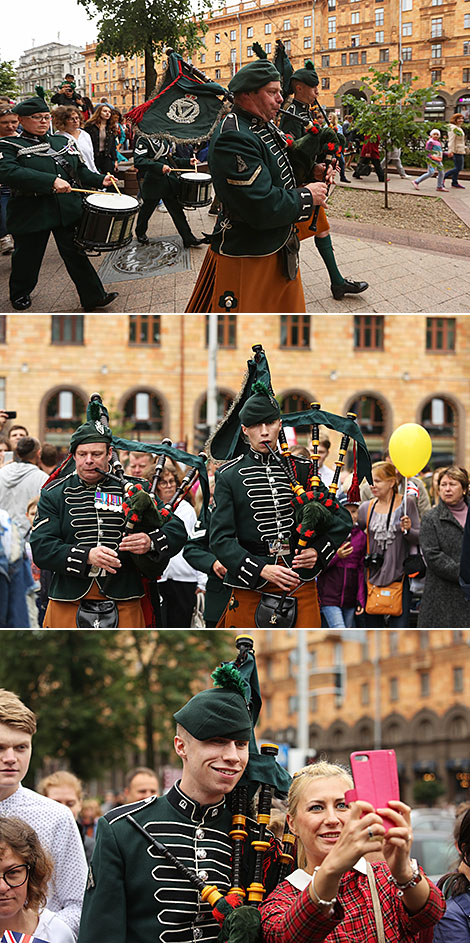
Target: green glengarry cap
{"x":217,"y":712}
{"x":253,"y":76}
{"x":31,"y":106}
{"x":92,"y":431}
{"x":261,"y":406}
{"x":307,"y":75}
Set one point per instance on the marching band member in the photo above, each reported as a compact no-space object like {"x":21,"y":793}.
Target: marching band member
{"x":41,"y":169}
{"x":252,"y":264}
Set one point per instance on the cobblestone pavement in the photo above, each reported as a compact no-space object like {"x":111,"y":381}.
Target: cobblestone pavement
{"x":406,"y":272}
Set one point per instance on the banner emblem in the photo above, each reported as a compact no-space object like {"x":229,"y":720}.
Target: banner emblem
{"x":184,"y":110}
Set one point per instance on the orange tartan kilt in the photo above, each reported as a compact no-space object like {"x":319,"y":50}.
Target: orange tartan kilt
{"x":323,"y":226}
{"x":241,"y":607}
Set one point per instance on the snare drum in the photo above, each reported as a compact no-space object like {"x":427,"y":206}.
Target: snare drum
{"x":195,"y":190}
{"x":106,"y":223}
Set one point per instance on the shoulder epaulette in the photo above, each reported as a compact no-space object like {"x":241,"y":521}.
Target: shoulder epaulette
{"x":229,"y":123}
{"x":230,"y":464}
{"x":58,"y":481}
{"x":122,"y":810}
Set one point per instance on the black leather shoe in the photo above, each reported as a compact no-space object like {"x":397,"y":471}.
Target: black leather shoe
{"x":193,"y":243}
{"x":348,"y":288}
{"x":108,"y":298}
{"x":344,"y":180}
{"x":22,"y":303}
{"x":144,"y":240}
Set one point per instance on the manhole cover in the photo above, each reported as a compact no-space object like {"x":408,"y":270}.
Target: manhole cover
{"x":162,"y":256}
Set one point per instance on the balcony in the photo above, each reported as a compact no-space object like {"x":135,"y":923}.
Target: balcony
{"x":437,"y":63}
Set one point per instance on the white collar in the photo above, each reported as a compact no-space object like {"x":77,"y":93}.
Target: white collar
{"x":301,"y":879}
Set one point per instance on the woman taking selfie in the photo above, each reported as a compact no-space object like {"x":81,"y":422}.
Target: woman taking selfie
{"x":336,"y":895}
{"x":25,"y":872}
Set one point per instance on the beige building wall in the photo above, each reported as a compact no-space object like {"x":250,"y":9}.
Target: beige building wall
{"x":404,"y":376}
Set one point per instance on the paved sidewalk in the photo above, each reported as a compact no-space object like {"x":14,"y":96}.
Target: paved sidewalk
{"x":407,"y":272}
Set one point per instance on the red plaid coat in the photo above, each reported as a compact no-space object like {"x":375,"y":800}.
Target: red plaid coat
{"x":289,"y":915}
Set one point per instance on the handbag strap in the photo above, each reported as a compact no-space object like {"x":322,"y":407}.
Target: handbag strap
{"x":370,"y":512}
{"x":376,"y":904}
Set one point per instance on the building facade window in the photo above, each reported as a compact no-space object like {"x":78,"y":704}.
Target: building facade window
{"x":436,"y":51}
{"x":406,"y":5}
{"x":325,"y":62}
{"x":406,"y":53}
{"x":332,"y":42}
{"x":267,"y":47}
{"x":307,"y":20}
{"x":394,"y":689}
{"x":440,"y":334}
{"x":226,"y":330}
{"x":286,"y":25}
{"x":353,"y":58}
{"x":466,"y":76}
{"x":355,"y":19}
{"x":355,"y":41}
{"x":439,"y":417}
{"x":217,"y":74}
{"x":466,"y":49}
{"x":344,"y":58}
{"x":368,"y":331}
{"x":249,"y":52}
{"x":325,"y":82}
{"x":201,"y":430}
{"x":295,"y":330}
{"x":203,"y":57}
{"x":407,"y":77}
{"x":287,"y":45}
{"x":365,"y":695}
{"x":370,"y":413}
{"x":384,"y":55}
{"x":425,"y":684}
{"x":3,"y":328}
{"x":458,"y":679}
{"x":331,"y":24}
{"x":379,"y":16}
{"x":144,"y":410}
{"x":307,"y":42}
{"x":466,"y":21}
{"x":217,"y":38}
{"x":436,"y":27}
{"x":363,"y":57}
{"x":233,"y":35}
{"x":217,"y":56}
{"x":67,"y":329}
{"x":436,"y":3}
{"x":65,"y":410}
{"x":249,"y":32}
{"x":144,"y":329}
{"x":379,"y":36}
{"x":436,"y":75}
{"x":407,"y":29}
{"x":268,"y":29}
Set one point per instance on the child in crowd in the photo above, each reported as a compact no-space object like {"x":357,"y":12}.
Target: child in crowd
{"x":341,"y":587}
{"x":434,"y":152}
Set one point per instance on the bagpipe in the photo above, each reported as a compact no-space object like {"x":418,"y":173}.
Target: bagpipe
{"x":264,"y":778}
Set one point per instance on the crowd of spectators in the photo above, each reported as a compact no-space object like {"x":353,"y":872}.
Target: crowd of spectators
{"x":408,"y":545}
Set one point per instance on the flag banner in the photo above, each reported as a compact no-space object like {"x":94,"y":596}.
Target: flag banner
{"x":15,"y":936}
{"x":186,"y":107}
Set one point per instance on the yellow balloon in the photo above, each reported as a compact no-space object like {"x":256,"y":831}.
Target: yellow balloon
{"x":410,"y":448}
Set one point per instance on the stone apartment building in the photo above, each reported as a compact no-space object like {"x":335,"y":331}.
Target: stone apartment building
{"x":120,"y":80}
{"x":407,"y":691}
{"x":429,"y":38}
{"x":47,"y":65}
{"x":152,"y":370}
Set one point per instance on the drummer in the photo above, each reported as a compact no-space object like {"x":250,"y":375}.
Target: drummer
{"x":41,"y":170}
{"x":156,"y":158}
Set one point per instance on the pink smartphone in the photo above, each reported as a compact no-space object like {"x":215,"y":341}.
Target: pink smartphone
{"x":375,"y":777}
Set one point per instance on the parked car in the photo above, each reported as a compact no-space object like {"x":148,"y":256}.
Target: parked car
{"x":433,"y":841}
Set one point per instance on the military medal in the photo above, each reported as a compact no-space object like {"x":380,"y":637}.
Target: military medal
{"x":106,"y":501}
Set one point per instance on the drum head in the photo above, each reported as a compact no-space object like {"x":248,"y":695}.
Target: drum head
{"x":196,"y":178}
{"x":112,"y":201}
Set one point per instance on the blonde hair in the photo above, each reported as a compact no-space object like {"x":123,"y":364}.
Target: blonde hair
{"x":15,"y":714}
{"x":321,"y":770}
{"x":60,"y":778}
{"x":386,"y":472}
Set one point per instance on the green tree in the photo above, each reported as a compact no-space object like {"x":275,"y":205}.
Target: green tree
{"x":170,"y":667}
{"x":8,"y":81}
{"x":80,"y":686}
{"x":427,"y":792}
{"x":146,"y":27}
{"x":394,"y":112}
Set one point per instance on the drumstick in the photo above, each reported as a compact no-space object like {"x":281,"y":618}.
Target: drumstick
{"x":180,"y":170}
{"x":78,"y":190}
{"x":115,"y":186}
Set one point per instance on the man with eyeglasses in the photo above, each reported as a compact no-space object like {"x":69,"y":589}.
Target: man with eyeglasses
{"x":53,"y":822}
{"x":42,"y":169}
{"x":8,"y":128}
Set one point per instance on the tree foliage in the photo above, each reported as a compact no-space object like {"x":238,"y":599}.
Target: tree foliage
{"x":394,"y":112}
{"x":99,"y":696}
{"x":427,"y":792}
{"x":146,"y":27}
{"x":8,"y":81}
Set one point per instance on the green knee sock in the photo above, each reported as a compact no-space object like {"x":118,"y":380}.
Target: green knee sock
{"x":325,"y":248}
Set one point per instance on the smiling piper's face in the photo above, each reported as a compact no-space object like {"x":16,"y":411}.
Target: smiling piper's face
{"x":212,"y":768}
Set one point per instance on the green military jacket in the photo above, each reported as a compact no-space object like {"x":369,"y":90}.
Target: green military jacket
{"x":198,"y":553}
{"x":295,"y":119}
{"x":253,"y":522}
{"x":29,"y":165}
{"x":150,"y":155}
{"x":254,"y":181}
{"x":72,"y":517}
{"x":134,"y":895}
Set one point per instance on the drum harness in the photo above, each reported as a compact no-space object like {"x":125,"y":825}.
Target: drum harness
{"x":45,"y":150}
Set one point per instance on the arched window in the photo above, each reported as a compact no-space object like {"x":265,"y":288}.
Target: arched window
{"x":144,"y":410}
{"x":65,"y":410}
{"x":439,"y":417}
{"x":295,"y":403}
{"x":201,"y":430}
{"x":370,"y":413}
